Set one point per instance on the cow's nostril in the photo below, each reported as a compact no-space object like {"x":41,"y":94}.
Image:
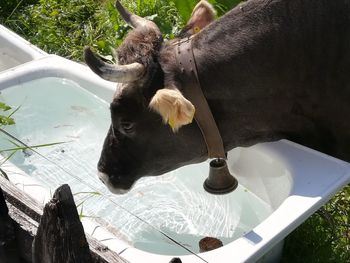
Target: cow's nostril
{"x":101,"y":180}
{"x":103,"y":177}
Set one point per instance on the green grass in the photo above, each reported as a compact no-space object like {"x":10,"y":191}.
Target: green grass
{"x":325,"y":236}
{"x":6,"y":113}
{"x":64,"y":27}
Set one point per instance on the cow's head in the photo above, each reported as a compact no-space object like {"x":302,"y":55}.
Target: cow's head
{"x":139,"y":142}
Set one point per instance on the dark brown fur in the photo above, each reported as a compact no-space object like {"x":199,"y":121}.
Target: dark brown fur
{"x":140,"y":45}
{"x":270,"y":69}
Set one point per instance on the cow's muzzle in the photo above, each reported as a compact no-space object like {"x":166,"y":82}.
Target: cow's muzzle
{"x":105,"y":178}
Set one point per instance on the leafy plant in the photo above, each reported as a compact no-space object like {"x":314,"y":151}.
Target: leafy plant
{"x":64,"y":27}
{"x":58,"y":26}
{"x":224,"y":5}
{"x":9,"y":7}
{"x":6,"y":119}
{"x":87,"y":196}
{"x":185,"y":8}
{"x":18,"y":145}
{"x":325,"y":236}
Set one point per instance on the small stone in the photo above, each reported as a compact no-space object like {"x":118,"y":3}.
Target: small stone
{"x":209,"y":243}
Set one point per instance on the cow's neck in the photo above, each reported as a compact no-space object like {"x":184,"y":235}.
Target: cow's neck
{"x":259,"y":63}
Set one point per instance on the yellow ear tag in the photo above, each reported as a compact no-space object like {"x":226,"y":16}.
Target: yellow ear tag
{"x":196,"y":29}
{"x":172,"y":123}
{"x":175,"y":125}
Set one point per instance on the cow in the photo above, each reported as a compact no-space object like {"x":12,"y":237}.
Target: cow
{"x":269,"y":70}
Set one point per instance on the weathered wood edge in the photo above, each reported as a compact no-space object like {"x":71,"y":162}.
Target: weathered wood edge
{"x":30,"y":207}
{"x":25,"y":230}
{"x":21,"y":200}
{"x":8,"y":241}
{"x":60,"y":236}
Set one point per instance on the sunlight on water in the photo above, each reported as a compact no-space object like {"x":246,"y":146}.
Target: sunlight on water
{"x":56,"y":110}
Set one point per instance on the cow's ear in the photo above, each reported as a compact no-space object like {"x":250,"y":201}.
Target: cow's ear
{"x":174,"y":108}
{"x":202,"y":15}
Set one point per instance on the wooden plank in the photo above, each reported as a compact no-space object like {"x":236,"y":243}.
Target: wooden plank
{"x":60,"y":236}
{"x":25,"y":230}
{"x":8,"y":242}
{"x":20,"y":202}
{"x":102,"y":254}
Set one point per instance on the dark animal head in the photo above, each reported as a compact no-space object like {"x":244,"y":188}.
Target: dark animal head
{"x":138,"y":142}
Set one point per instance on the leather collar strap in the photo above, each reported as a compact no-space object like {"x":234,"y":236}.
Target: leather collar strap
{"x":192,"y":91}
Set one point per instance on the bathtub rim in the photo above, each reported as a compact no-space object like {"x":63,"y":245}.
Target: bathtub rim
{"x":20,"y":44}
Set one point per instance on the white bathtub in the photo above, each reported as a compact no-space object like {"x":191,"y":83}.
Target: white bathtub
{"x":295,"y":181}
{"x":292,"y":180}
{"x":15,"y":51}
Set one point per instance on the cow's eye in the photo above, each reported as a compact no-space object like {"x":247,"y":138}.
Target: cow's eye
{"x":128,"y":127}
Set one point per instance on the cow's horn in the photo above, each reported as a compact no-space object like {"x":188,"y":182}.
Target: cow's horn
{"x":135,"y":20}
{"x":116,"y":73}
